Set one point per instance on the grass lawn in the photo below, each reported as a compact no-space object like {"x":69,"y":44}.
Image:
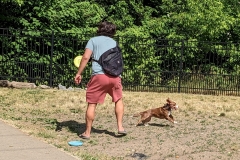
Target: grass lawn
{"x":208,"y":126}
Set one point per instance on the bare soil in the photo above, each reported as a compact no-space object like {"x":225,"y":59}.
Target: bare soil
{"x":193,"y":137}
{"x":208,"y":126}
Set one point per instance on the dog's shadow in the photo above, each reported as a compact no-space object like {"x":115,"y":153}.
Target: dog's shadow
{"x":78,"y":128}
{"x":160,"y":125}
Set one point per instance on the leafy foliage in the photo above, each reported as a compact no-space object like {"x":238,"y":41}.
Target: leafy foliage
{"x":19,"y":2}
{"x":154,"y":33}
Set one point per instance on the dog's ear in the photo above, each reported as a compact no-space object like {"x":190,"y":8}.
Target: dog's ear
{"x":168,"y":100}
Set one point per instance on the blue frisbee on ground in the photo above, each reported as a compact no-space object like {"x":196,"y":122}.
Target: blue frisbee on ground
{"x":75,"y":143}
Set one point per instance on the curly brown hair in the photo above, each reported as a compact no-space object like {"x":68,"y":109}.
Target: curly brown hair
{"x":106,"y":29}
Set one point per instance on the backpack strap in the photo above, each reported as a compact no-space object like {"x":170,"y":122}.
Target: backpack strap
{"x":109,"y":51}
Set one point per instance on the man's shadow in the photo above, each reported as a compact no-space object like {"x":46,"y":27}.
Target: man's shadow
{"x":78,"y":128}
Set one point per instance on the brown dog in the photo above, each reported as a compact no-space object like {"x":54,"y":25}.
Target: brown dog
{"x":163,"y":112}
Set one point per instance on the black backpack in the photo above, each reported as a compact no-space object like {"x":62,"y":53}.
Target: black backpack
{"x":111,"y":61}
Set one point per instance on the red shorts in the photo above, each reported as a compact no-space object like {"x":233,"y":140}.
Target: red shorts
{"x":101,"y":84}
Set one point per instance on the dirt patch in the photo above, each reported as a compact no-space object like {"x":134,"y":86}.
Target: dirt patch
{"x":193,"y":137}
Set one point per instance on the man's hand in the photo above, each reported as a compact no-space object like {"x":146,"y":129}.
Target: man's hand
{"x":78,"y":79}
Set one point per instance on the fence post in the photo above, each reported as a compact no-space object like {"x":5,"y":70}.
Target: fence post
{"x":180,"y":67}
{"x":51,"y":61}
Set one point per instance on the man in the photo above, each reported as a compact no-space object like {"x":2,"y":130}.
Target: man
{"x":100,"y":83}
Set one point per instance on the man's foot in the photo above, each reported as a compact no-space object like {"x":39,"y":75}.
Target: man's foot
{"x":84,"y":137}
{"x":122,"y":132}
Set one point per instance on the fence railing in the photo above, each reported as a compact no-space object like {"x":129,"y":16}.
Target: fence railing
{"x":156,"y":65}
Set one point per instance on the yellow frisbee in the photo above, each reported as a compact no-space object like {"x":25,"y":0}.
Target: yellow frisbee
{"x":77,"y":61}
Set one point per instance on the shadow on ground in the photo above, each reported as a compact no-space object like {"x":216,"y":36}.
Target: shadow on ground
{"x":78,"y":128}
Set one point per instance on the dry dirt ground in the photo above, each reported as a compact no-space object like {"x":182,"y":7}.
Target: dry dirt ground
{"x":208,"y":127}
{"x":193,"y":137}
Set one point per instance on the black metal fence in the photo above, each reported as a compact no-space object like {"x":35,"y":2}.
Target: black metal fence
{"x":158,"y":65}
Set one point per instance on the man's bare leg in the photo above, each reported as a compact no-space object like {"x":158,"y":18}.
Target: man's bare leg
{"x":89,"y":117}
{"x":119,"y":111}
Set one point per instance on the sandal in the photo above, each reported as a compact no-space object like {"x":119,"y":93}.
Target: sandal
{"x":84,"y":137}
{"x":122,"y":132}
